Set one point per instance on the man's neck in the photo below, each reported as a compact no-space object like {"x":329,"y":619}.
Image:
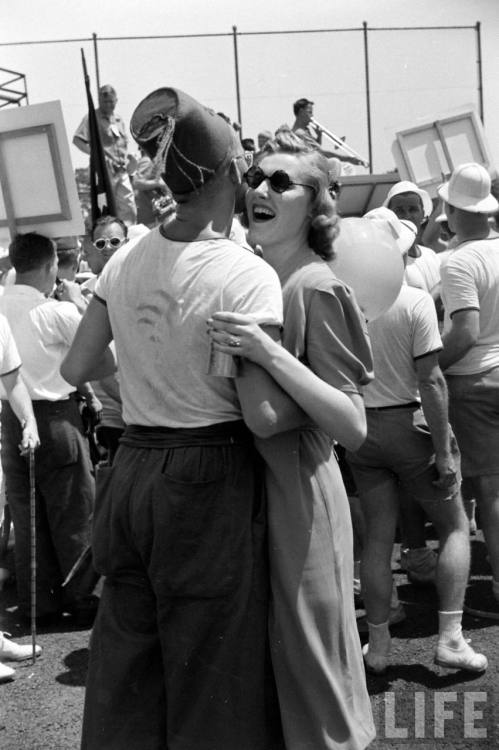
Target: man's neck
{"x":33,"y":279}
{"x":200,"y":219}
{"x":475,"y":231}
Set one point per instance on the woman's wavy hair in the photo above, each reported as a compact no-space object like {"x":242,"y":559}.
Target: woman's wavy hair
{"x":324,"y":222}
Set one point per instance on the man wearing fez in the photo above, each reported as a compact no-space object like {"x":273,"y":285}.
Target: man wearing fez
{"x":114,"y":142}
{"x":178,"y":651}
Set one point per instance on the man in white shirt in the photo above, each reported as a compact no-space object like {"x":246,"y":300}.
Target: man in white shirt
{"x":410,"y":447}
{"x":470,"y":357}
{"x":178,"y":648}
{"x":43,"y":330}
{"x":20,"y":402}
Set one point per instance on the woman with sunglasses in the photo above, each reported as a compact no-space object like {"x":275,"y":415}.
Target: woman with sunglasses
{"x":322,"y":363}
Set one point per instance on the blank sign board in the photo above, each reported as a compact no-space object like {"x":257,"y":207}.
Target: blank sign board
{"x":37,"y":184}
{"x":428,"y":153}
{"x":360,"y":193}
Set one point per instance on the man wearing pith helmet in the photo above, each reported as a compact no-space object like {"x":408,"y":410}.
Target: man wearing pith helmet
{"x":178,"y":652}
{"x":470,"y":357}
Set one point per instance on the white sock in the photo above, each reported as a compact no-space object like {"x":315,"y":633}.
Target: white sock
{"x":449,"y":626}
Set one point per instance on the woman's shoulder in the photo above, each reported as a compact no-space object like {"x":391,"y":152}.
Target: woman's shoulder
{"x":317,"y":276}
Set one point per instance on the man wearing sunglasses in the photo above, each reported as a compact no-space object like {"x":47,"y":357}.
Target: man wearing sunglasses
{"x":108,"y":235}
{"x":178,"y":651}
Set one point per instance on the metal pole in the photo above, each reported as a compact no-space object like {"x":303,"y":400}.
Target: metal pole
{"x":96,"y":58}
{"x":368,"y":99}
{"x":32,"y":514}
{"x":479,"y":65}
{"x":238,"y":90}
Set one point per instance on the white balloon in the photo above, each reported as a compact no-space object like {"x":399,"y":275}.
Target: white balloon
{"x":369,"y":261}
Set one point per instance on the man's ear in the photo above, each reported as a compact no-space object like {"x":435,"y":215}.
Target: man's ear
{"x":237,"y":169}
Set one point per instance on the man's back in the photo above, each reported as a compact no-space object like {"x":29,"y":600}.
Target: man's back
{"x":43,"y":330}
{"x":408,"y":330}
{"x":470,"y":280}
{"x":160,"y":293}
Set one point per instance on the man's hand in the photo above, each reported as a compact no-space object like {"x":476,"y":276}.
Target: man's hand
{"x":448,"y":473}
{"x":70,"y":291}
{"x":94,"y":408}
{"x":30,"y":439}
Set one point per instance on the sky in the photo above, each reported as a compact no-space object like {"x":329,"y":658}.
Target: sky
{"x":415,"y":76}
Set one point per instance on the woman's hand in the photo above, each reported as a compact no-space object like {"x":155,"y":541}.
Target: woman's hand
{"x":240,"y":335}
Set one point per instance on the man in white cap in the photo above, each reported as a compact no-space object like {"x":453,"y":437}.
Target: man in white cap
{"x":410,"y":445}
{"x":470,"y":357}
{"x":411,"y":203}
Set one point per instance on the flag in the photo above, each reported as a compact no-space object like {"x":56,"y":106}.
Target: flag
{"x":101,"y":190}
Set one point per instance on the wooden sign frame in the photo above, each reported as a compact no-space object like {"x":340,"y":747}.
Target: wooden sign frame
{"x":427,"y":154}
{"x":37,"y":183}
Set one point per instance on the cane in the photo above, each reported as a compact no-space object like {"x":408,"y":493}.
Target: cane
{"x":32,"y":515}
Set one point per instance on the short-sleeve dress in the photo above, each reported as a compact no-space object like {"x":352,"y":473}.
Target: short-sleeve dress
{"x":315,"y":645}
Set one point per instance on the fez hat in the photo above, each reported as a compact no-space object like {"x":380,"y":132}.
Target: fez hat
{"x":187,"y":142}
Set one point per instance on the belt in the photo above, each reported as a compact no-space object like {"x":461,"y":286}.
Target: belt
{"x":221,"y":433}
{"x":410,"y":405}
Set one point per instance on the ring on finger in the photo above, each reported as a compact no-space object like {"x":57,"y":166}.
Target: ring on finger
{"x":234,"y":341}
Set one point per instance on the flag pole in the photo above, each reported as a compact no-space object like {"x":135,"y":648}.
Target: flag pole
{"x":102,"y":197}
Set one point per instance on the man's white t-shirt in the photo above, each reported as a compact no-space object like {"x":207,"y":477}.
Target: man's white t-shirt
{"x":470,"y":281}
{"x":159,"y":295}
{"x":423,"y":272}
{"x":405,"y":332}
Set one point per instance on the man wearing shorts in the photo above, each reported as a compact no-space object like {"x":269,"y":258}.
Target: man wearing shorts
{"x":415,"y":451}
{"x":178,"y":655}
{"x":470,"y":357}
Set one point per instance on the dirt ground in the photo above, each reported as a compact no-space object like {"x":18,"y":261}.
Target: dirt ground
{"x":416,"y":704}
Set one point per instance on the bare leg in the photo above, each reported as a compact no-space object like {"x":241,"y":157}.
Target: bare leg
{"x":380,"y":508}
{"x":451,"y":522}
{"x":453,"y":564}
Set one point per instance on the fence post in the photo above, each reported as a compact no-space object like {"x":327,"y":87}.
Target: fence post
{"x":479,"y":66}
{"x":368,"y":99}
{"x":96,"y":59}
{"x":238,"y":90}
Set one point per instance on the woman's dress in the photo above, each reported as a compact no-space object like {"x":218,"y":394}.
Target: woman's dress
{"x":315,"y":645}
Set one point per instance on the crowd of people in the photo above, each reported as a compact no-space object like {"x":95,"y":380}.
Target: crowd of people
{"x":186,"y":401}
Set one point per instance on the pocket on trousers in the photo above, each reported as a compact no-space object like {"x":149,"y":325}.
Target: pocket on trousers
{"x":60,"y":447}
{"x":419,"y":423}
{"x":193,"y":547}
{"x":101,"y":521}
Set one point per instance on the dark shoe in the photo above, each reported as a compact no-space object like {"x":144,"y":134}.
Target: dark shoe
{"x":47,"y":620}
{"x":481,"y":602}
{"x":83,"y":611}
